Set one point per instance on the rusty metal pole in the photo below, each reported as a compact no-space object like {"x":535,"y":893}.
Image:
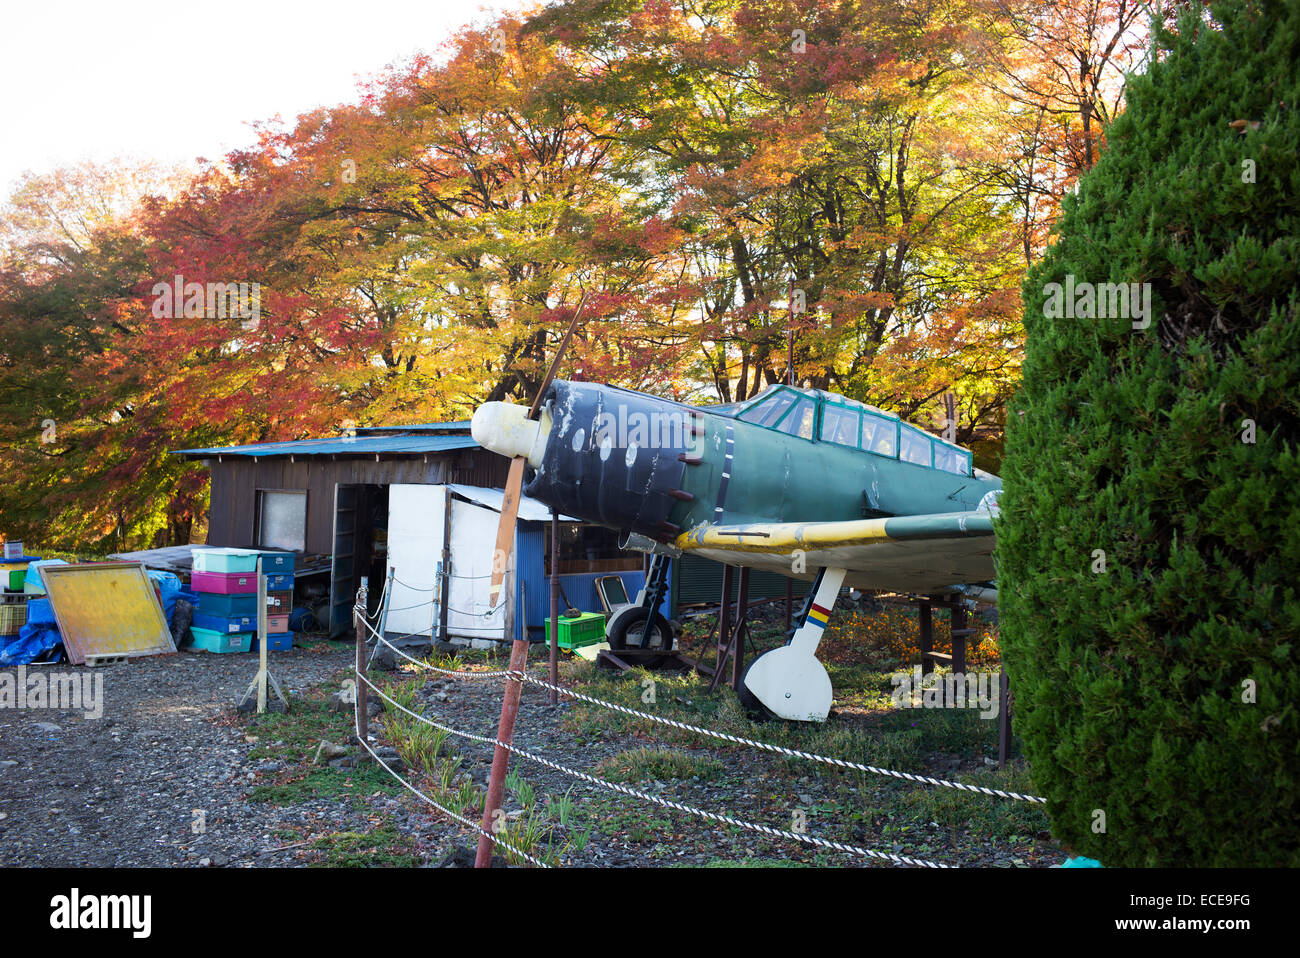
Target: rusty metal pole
{"x":926,"y":641}
{"x":959,"y":633}
{"x":555,"y":605}
{"x":506,"y":734}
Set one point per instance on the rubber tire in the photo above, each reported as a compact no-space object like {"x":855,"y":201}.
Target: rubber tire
{"x":618,"y":638}
{"x":748,"y":700}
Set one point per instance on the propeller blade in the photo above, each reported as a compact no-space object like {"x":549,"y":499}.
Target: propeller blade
{"x":559,"y":354}
{"x":515,"y":480}
{"x":506,"y":529}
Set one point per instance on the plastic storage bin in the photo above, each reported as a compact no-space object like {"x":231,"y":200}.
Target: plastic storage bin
{"x":225,"y":624}
{"x":277,"y":562}
{"x":275,"y":642}
{"x":586,"y":629}
{"x":224,"y":560}
{"x":280,"y":582}
{"x":208,"y":641}
{"x":228,"y":606}
{"x":224,"y":583}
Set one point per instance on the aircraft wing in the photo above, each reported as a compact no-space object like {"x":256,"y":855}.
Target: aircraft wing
{"x":901,"y":554}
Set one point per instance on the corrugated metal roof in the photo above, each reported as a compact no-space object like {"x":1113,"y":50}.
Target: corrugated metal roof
{"x":360,"y":445}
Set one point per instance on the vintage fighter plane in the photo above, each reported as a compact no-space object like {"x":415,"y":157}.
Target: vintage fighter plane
{"x":802,"y":482}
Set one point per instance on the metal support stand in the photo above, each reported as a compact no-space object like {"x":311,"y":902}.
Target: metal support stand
{"x":264,"y":676}
{"x":959,"y":633}
{"x":656,"y":582}
{"x":732,"y":635}
{"x":926,"y":642}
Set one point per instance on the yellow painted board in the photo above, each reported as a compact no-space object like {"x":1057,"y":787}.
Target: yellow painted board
{"x":107,"y":608}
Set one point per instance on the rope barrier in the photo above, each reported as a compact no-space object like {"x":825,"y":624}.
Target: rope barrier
{"x":433,"y":668}
{"x":446,"y":811}
{"x":663,"y":802}
{"x":736,"y":739}
{"x":781,"y":750}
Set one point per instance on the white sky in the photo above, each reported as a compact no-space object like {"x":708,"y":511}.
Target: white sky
{"x":172,"y":80}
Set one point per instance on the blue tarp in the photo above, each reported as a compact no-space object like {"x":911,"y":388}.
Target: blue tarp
{"x":38,"y":636}
{"x":170,"y":590}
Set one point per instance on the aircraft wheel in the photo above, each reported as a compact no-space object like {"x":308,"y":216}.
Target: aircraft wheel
{"x":751,"y":702}
{"x":633,"y":632}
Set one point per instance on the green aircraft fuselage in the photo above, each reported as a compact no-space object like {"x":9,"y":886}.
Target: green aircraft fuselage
{"x":641,"y":464}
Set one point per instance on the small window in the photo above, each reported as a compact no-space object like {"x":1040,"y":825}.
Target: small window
{"x":799,"y":420}
{"x":768,"y":411}
{"x":879,"y":435}
{"x":915,"y":447}
{"x":956,"y":461}
{"x":282,"y":520}
{"x":840,"y":424}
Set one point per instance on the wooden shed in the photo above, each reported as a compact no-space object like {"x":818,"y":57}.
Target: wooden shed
{"x":348,"y":498}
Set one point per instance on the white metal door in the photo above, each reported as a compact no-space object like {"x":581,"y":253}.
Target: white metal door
{"x":416,"y":514}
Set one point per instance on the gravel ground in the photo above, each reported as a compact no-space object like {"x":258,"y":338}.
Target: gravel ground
{"x":122,"y":789}
{"x":126,"y":789}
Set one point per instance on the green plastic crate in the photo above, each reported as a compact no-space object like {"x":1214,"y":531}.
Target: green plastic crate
{"x":586,"y":629}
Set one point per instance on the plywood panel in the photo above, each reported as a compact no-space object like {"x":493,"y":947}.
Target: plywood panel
{"x":107,"y":608}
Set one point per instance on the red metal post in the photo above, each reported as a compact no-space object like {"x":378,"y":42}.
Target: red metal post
{"x":505,"y":733}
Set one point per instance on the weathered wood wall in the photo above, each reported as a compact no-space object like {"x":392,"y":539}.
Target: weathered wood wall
{"x":237,"y":479}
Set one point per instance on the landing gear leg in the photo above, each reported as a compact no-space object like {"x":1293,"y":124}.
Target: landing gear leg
{"x":789,"y":681}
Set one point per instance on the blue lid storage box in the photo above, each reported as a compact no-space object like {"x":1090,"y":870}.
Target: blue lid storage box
{"x":279,"y":583}
{"x":226,"y":624}
{"x":273,"y":562}
{"x":275,"y":642}
{"x":224,"y":560}
{"x":205,"y":640}
{"x":228,"y":606}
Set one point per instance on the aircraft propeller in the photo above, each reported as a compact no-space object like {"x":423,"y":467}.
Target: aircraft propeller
{"x":515,"y":479}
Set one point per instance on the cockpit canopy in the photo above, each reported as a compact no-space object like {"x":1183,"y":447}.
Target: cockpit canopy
{"x":821,"y":416}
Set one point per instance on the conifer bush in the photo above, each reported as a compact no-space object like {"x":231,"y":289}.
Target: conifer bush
{"x":1149,"y":543}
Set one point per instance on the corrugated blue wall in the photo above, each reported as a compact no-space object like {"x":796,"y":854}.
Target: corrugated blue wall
{"x":534,"y":582}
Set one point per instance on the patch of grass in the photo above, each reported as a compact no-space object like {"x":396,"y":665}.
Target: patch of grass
{"x":293,"y":737}
{"x":312,"y":782}
{"x":382,"y":846}
{"x":652,"y":764}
